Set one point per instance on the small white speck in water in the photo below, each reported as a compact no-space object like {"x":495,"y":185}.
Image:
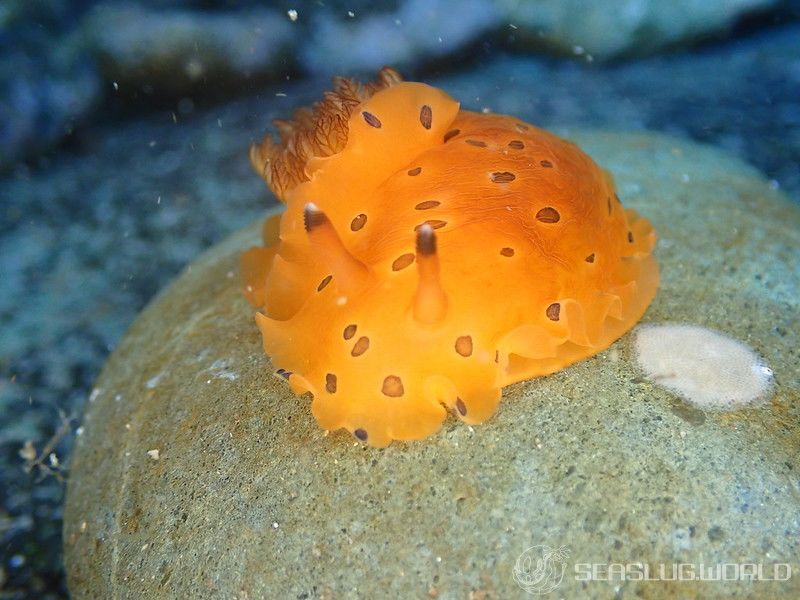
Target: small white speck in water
{"x":16,"y":561}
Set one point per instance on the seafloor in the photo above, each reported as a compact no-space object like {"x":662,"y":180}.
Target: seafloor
{"x":91,"y":233}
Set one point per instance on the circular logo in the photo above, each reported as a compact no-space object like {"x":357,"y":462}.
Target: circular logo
{"x":540,"y":569}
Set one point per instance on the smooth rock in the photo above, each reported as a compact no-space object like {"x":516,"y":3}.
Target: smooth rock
{"x":247,"y":498}
{"x":172,"y":52}
{"x":622,"y":27}
{"x":415,"y":32}
{"x":48,"y":86}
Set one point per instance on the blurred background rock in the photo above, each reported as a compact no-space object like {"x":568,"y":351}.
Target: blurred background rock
{"x":64,"y":63}
{"x":123,"y":136}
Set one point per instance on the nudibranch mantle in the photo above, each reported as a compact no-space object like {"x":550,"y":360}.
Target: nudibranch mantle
{"x":428,"y":257}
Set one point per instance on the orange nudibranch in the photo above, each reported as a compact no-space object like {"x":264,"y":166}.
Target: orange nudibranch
{"x":429,"y":256}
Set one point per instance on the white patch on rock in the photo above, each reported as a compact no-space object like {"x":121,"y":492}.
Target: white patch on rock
{"x":704,"y":367}
{"x":153,"y":381}
{"x":220,"y":369}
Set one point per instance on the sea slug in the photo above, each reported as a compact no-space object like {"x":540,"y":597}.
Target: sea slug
{"x":429,"y":256}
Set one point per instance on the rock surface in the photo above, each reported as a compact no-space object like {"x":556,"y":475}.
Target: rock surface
{"x":623,"y":27}
{"x":247,"y":498}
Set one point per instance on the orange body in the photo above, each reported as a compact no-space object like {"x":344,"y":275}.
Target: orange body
{"x":528,"y":261}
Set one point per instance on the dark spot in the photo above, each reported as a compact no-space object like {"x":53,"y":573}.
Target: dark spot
{"x":402,"y":262}
{"x":434,"y":223}
{"x":516,"y":144}
{"x":630,"y":237}
{"x":502,"y":177}
{"x":507,"y":252}
{"x":553,"y":311}
{"x":548,"y":214}
{"x":361,"y":434}
{"x":691,"y":415}
{"x":362,"y":345}
{"x":284,"y":373}
{"x":415,"y":171}
{"x":313,"y":218}
{"x":330,"y":383}
{"x":451,"y":134}
{"x":324,"y":282}
{"x":392,"y":386}
{"x":716,"y":533}
{"x":477,"y":143}
{"x":546,"y":164}
{"x":349,"y":331}
{"x":427,"y":204}
{"x":358,"y":222}
{"x":426,"y":116}
{"x":464,"y":345}
{"x":371,"y":119}
{"x":608,"y":201}
{"x":461,"y":407}
{"x":497,"y":356}
{"x":590,"y":258}
{"x":520,"y":127}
